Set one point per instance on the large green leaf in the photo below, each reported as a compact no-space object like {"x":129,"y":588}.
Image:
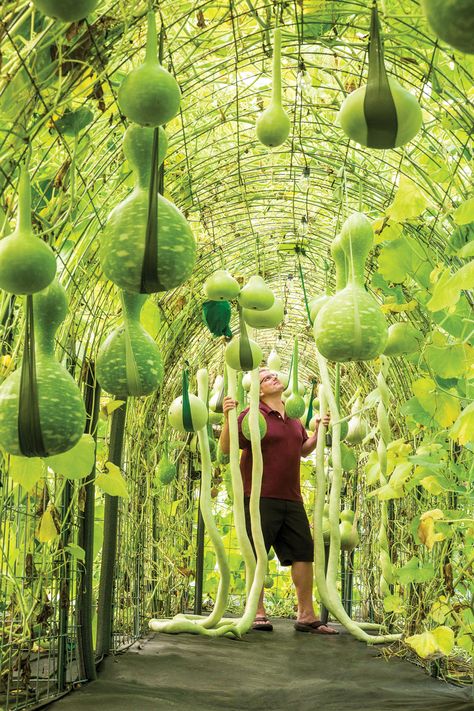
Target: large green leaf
{"x":451,"y":360}
{"x":77,"y":462}
{"x":443,"y":406}
{"x":73,"y":122}
{"x":414,"y":572}
{"x":409,"y":202}
{"x":465,"y":212}
{"x":26,"y":471}
{"x":448,"y":287}
{"x":400,"y":258}
{"x":112,"y":482}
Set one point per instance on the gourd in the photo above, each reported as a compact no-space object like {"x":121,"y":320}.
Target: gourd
{"x":274,"y":360}
{"x":246,"y":382}
{"x":149,"y":95}
{"x":262,"y":424}
{"x":284,"y":379}
{"x":349,"y":535}
{"x":221,"y":286}
{"x":256,"y":295}
{"x":316,"y":304}
{"x":403,"y":339}
{"x":325,"y":525}
{"x":273,"y":125}
{"x":452,"y":21}
{"x":166,"y":470}
{"x":187,"y":413}
{"x":381,"y":114}
{"x":61,"y":413}
{"x":144,"y":220}
{"x":295,"y":405}
{"x":344,"y":429}
{"x":27,"y":264}
{"x":242,"y":353}
{"x":129,"y":361}
{"x":351,"y":325}
{"x":66,"y":10}
{"x":358,"y":428}
{"x":270,"y":318}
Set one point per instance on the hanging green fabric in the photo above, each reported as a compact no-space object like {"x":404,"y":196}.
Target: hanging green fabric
{"x":216,"y":315}
{"x":245,"y":351}
{"x":187,"y":417}
{"x":309,"y":416}
{"x":379,"y":106}
{"x":149,"y":282}
{"x":30,"y":436}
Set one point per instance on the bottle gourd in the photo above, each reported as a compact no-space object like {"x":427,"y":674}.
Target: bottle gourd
{"x":295,"y":404}
{"x":149,"y":95}
{"x":452,"y":21}
{"x":66,"y":10}
{"x":124,"y":239}
{"x":270,"y":318}
{"x":221,"y":286}
{"x":129,"y":361}
{"x":62,"y":414}
{"x":256,"y":295}
{"x":187,"y":413}
{"x":351,"y":326}
{"x":273,"y":125}
{"x":27,"y":264}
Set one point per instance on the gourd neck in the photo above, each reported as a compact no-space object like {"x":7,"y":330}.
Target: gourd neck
{"x":132,"y":305}
{"x":24,"y":204}
{"x":295,"y":368}
{"x":151,"y":56}
{"x":276,"y":77}
{"x":50,"y":310}
{"x":356,"y":264}
{"x":339,"y":257}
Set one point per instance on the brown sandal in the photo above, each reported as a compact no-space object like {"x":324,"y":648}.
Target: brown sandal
{"x":314,"y":627}
{"x":262,"y":624}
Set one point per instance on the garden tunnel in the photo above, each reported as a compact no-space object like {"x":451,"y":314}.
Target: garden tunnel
{"x":92,"y":549}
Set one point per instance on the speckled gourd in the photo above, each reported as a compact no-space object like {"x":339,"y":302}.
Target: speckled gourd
{"x":256,"y":294}
{"x":452,"y":21}
{"x":351,"y":326}
{"x":66,"y":10}
{"x":295,"y":404}
{"x":123,"y":241}
{"x":150,"y":95}
{"x":129,"y":361}
{"x":61,"y":408}
{"x":27,"y":264}
{"x":273,"y":125}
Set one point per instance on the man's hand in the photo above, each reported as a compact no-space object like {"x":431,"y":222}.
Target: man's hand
{"x":326,"y":419}
{"x":228,"y":404}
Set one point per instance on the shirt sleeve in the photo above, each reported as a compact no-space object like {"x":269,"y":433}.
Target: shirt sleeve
{"x":244,"y":443}
{"x":305,"y":434}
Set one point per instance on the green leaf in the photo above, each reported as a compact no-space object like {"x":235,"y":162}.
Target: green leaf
{"x":413,"y":572}
{"x":445,"y":408}
{"x":450,"y":361}
{"x":26,"y":471}
{"x":393,"y":603}
{"x":465,"y":212}
{"x":447,"y":290}
{"x":399,"y":258}
{"x":463,"y":428}
{"x":73,"y":122}
{"x":78,"y":462}
{"x":413,"y":409}
{"x":112,"y":481}
{"x":76,"y":551}
{"x":409,"y":202}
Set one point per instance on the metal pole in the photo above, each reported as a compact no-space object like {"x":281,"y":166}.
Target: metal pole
{"x":199,"y":558}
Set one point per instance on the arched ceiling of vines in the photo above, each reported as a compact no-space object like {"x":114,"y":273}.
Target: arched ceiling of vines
{"x":244,"y":202}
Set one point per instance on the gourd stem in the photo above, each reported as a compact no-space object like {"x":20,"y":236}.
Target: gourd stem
{"x":151,"y":40}
{"x":276,"y":78}
{"x":24,"y":204}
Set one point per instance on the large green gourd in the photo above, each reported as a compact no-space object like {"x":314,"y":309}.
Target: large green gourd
{"x":452,"y":21}
{"x":123,"y":241}
{"x":221,"y":286}
{"x":270,"y":318}
{"x":351,"y":326}
{"x":295,"y":404}
{"x":62,"y":415}
{"x":256,"y":295}
{"x":27,"y":264}
{"x":403,"y":339}
{"x":149,"y":95}
{"x":129,"y":361}
{"x":273,"y":125}
{"x":66,"y":10}
{"x":242,"y":353}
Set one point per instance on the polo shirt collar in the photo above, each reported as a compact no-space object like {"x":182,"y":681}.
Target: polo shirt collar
{"x":266,"y":408}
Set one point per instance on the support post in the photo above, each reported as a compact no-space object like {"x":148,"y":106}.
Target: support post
{"x":199,"y":559}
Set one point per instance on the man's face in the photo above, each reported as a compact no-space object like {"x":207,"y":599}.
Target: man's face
{"x":269,"y":383}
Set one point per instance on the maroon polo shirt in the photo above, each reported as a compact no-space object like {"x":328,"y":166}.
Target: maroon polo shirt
{"x":281,"y":452}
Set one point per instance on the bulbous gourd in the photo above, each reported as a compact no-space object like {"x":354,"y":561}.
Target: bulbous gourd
{"x":66,"y":10}
{"x":123,"y":241}
{"x":221,"y":286}
{"x":215,"y":418}
{"x":452,"y":21}
{"x":149,"y":95}
{"x":199,"y":413}
{"x":349,"y":535}
{"x":62,"y":416}
{"x":289,"y":390}
{"x":233,"y":355}
{"x":256,"y":295}
{"x":274,"y":360}
{"x":351,"y":326}
{"x":284,"y":378}
{"x":295,"y":404}
{"x":270,"y":318}
{"x":273,"y":125}
{"x":166,"y":470}
{"x":129,"y":361}
{"x":27,"y":264}
{"x":247,"y":382}
{"x":316,"y":403}
{"x":262,"y":424}
{"x":316,"y":304}
{"x":358,"y":428}
{"x":344,"y":429}
{"x":353,"y":121}
{"x":403,"y":339}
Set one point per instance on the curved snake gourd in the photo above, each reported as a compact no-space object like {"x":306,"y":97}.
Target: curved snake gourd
{"x":51,"y":403}
{"x":27,"y":264}
{"x":129,"y":361}
{"x":273,"y":125}
{"x":386,"y":570}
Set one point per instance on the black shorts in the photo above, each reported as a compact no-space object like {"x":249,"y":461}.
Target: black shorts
{"x":285,"y":526}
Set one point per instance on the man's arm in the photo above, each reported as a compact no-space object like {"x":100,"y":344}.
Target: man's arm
{"x":310,"y":444}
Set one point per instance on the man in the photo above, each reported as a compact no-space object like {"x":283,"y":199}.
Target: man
{"x":285,"y":524}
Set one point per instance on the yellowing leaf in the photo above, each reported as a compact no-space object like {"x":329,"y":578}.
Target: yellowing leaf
{"x":445,"y":408}
{"x":387,"y":492}
{"x":150,"y":318}
{"x":426,"y":528}
{"x":444,"y":637}
{"x":465,"y":212}
{"x":112,"y":482}
{"x":409,"y":202}
{"x":401,"y":474}
{"x":174,"y":507}
{"x":399,"y":308}
{"x":372,"y":469}
{"x":384,"y":230}
{"x":437,"y":643}
{"x":439,"y":610}
{"x":432,"y":485}
{"x":77,"y":462}
{"x":47,"y":529}
{"x":393,"y":603}
{"x":113,"y":405}
{"x":26,"y":471}
{"x":463,"y":428}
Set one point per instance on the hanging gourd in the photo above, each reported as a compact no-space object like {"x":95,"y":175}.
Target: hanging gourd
{"x":452,"y":21}
{"x":27,"y":264}
{"x":270,"y":318}
{"x":149,"y":95}
{"x":273,"y":125}
{"x":220,"y":286}
{"x":351,"y":326}
{"x":274,"y":360}
{"x":187,"y":413}
{"x":66,"y":10}
{"x":339,"y":258}
{"x":245,"y":426}
{"x":129,"y":362}
{"x":381,"y":114}
{"x":358,"y":427}
{"x":242,"y":353}
{"x":147,"y":245}
{"x":316,"y":304}
{"x":348,"y":530}
{"x":41,"y":409}
{"x":256,"y":295}
{"x":403,"y":339}
{"x":295,"y":405}
{"x":166,"y":471}
{"x":246,"y":382}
